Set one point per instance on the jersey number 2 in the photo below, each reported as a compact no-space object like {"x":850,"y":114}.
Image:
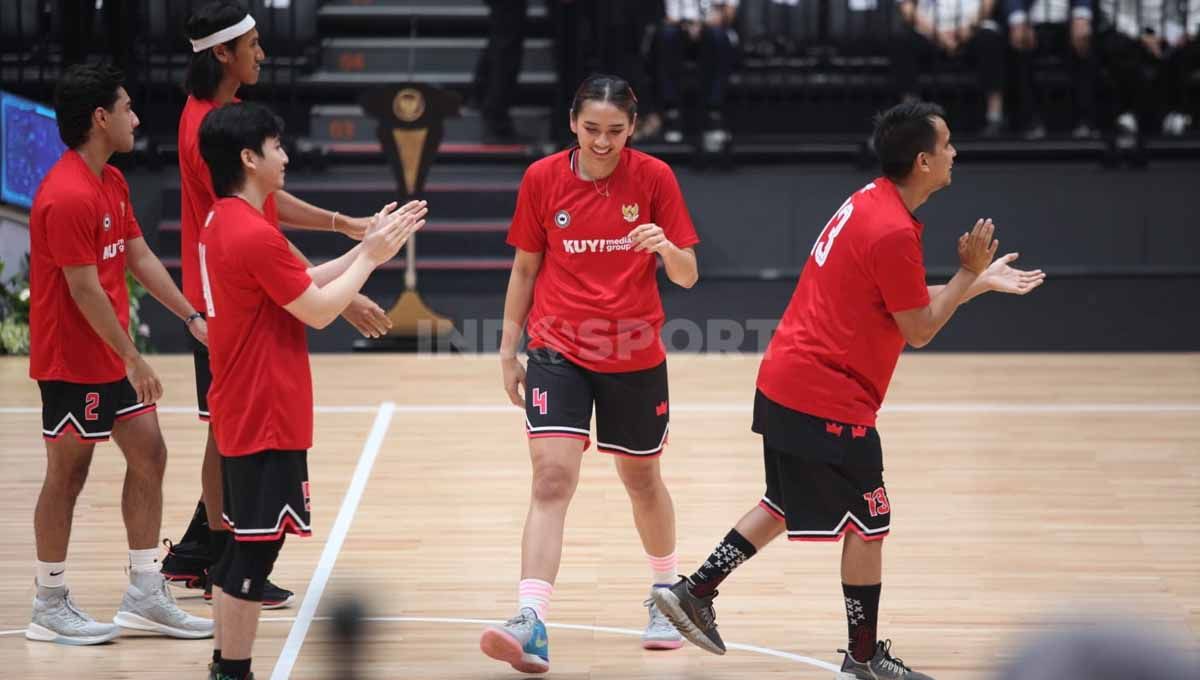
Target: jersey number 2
{"x":91,"y":401}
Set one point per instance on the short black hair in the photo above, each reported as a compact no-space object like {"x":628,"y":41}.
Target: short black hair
{"x":902,"y":132}
{"x":227,"y":130}
{"x":604,"y":88}
{"x":204,"y":74}
{"x":80,"y":91}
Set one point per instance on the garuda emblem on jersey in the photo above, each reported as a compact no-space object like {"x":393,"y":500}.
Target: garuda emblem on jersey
{"x":630,"y":212}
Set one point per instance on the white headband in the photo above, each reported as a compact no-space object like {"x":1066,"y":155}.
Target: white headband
{"x":224,"y":35}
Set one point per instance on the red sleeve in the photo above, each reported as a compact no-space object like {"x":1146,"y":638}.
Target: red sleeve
{"x":899,"y":270}
{"x":526,"y":231}
{"x":670,"y":212}
{"x":273,"y":266}
{"x":72,"y":231}
{"x":132,"y":228}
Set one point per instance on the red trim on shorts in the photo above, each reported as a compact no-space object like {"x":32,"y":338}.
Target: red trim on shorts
{"x":80,"y":437}
{"x":771,"y":511}
{"x":287,"y":526}
{"x":850,"y":526}
{"x":626,"y":454}
{"x":587,"y":441}
{"x":134,"y":414}
{"x":204,"y":419}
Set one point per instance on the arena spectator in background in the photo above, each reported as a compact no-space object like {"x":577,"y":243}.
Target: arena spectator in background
{"x":955,"y":30}
{"x":498,"y":66}
{"x":705,"y":26}
{"x":1150,"y":49}
{"x":1053,"y":27}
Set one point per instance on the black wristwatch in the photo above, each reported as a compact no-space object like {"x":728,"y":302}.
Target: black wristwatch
{"x":192,"y":317}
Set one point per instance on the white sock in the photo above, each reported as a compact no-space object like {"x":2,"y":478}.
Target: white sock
{"x":51,"y":574}
{"x":143,"y":561}
{"x":666,"y":569}
{"x":535,"y":594}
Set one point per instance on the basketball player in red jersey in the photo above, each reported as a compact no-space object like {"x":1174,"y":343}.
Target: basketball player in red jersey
{"x":860,"y":298}
{"x":227,"y":55}
{"x":94,"y":383}
{"x":259,"y":297}
{"x":591,"y":225}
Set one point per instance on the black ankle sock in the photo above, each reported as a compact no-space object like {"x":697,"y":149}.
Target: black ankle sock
{"x":216,"y":656}
{"x":862,"y":619}
{"x":726,"y":557}
{"x":236,"y":669}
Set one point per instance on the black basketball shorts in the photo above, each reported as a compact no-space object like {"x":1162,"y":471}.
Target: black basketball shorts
{"x":266,"y":495}
{"x":87,"y":411}
{"x":203,"y":377}
{"x":824,"y":478}
{"x":632,"y":409}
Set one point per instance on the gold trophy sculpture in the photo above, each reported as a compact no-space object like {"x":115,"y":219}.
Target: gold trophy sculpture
{"x":410,"y":118}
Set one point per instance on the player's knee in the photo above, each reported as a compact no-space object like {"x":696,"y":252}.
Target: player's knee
{"x":67,"y":478}
{"x":250,"y":563}
{"x":642,"y":480}
{"x":553,"y":484}
{"x":149,"y":461}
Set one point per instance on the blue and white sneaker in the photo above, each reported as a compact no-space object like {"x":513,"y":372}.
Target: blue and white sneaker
{"x":521,"y":642}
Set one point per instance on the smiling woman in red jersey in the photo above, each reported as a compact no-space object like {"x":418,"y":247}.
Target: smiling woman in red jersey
{"x":227,"y":55}
{"x":592,"y":224}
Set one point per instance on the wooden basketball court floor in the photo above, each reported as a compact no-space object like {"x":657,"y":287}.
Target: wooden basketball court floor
{"x":1026,"y":488}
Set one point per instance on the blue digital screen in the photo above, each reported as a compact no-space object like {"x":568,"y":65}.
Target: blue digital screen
{"x":29,"y":147}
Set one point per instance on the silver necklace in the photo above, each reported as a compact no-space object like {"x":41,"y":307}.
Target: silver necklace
{"x":577,"y":168}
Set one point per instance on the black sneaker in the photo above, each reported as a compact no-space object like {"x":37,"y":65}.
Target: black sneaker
{"x":274,"y":597}
{"x":883,"y":666}
{"x":693,"y":616}
{"x":186,"y":564}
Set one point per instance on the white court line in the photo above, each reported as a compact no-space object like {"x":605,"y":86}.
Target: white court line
{"x":333,"y":545}
{"x":746,"y":407}
{"x":766,"y":651}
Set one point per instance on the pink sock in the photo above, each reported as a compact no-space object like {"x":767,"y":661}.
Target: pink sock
{"x":535,"y":594}
{"x":666,"y":569}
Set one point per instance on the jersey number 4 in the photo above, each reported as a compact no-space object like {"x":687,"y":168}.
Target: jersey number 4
{"x":541,"y":400}
{"x":820,"y":249}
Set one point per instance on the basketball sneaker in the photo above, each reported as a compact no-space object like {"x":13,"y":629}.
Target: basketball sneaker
{"x":883,"y":666}
{"x":274,"y":597}
{"x":56,"y":618}
{"x":521,"y":642}
{"x":186,"y":564}
{"x":659,"y":633}
{"x":148,"y":605}
{"x":693,"y":616}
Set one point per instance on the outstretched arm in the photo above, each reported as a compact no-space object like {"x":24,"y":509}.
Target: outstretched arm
{"x":303,"y":215}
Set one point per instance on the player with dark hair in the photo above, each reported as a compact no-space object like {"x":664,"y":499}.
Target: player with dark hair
{"x":94,"y":383}
{"x":590,"y":227}
{"x":259,"y":296}
{"x":227,"y":55}
{"x":861,"y":297}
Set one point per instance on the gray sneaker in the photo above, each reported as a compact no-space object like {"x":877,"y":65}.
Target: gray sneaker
{"x":659,"y":633}
{"x":148,"y":605}
{"x":882,"y":666}
{"x":56,"y":618}
{"x":692,"y":616}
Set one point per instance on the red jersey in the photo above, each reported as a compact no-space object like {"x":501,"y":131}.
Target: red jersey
{"x":196,"y":196}
{"x":837,"y":344}
{"x":595,"y":300}
{"x":261,"y":394}
{"x":77,"y":219}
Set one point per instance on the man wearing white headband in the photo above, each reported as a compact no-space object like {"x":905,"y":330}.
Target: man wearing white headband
{"x":227,"y":55}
